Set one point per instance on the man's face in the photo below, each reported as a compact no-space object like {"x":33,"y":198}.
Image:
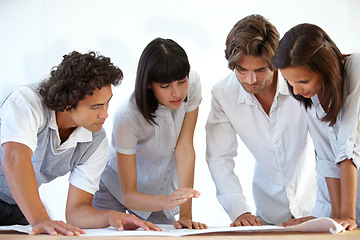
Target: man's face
{"x":91,"y":112}
{"x":253,"y":73}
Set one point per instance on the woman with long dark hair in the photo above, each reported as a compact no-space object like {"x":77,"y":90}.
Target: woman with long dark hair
{"x":327,"y":83}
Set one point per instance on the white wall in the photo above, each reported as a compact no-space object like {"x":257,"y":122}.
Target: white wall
{"x":36,"y":33}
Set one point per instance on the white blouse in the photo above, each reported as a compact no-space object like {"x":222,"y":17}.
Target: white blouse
{"x":341,"y":141}
{"x":153,"y":144}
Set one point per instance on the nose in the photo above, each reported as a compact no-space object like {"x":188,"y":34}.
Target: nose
{"x":251,"y":77}
{"x":175,"y":91}
{"x":296,"y":90}
{"x":103,"y":114}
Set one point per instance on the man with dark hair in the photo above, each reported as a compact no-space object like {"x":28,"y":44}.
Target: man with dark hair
{"x":50,"y":129}
{"x":252,"y":103}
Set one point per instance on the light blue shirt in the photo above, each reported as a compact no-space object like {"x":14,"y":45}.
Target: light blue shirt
{"x":341,"y":141}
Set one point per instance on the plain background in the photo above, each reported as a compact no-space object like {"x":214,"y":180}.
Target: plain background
{"x":35,"y":34}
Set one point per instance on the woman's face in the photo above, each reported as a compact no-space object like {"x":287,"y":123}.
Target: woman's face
{"x":171,"y":94}
{"x":304,"y":81}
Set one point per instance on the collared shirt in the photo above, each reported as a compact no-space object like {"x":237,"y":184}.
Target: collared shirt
{"x":22,"y":116}
{"x":341,"y":141}
{"x":153,"y":144}
{"x":284,"y":175}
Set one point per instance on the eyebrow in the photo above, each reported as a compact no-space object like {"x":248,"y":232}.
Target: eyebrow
{"x":101,"y":104}
{"x":254,"y":70}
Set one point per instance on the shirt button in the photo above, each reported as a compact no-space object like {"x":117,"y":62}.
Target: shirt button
{"x":173,"y":137}
{"x":173,"y":149}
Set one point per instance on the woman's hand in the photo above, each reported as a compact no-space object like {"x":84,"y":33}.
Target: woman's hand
{"x":347,"y":223}
{"x":179,"y":196}
{"x":188,"y":223}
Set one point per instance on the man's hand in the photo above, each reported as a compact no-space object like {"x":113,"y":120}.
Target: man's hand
{"x":123,"y":221}
{"x":292,"y":222}
{"x":246,"y":219}
{"x":55,"y":227}
{"x":188,"y":223}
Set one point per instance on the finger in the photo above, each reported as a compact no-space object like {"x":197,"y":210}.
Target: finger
{"x":179,"y":196}
{"x":177,"y":225}
{"x":289,"y":223}
{"x":196,"y":225}
{"x":140,"y":223}
{"x":284,"y":224}
{"x":235,"y":223}
{"x":345,"y":225}
{"x":153,"y":226}
{"x":245,"y":222}
{"x":187,"y":191}
{"x":40,"y":230}
{"x":67,"y":227}
{"x":189,"y":225}
{"x":352,"y":227}
{"x":118,"y":225}
{"x":62,"y":230}
{"x":178,"y":202}
{"x":258,"y":222}
{"x":252,"y":221}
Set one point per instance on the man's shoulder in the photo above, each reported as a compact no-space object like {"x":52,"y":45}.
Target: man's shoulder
{"x":227,"y":82}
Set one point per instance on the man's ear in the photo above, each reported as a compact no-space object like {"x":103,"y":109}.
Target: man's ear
{"x":68,"y":108}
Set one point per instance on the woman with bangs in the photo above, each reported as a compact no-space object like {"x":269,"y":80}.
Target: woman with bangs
{"x":150,"y":171}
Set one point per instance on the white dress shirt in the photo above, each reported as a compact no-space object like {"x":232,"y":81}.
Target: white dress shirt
{"x":284,"y":183}
{"x":341,"y":141}
{"x":153,"y":144}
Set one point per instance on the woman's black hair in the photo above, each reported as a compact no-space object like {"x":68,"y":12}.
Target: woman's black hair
{"x":162,"y":61}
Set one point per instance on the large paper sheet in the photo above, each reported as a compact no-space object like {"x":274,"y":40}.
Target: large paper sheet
{"x":316,"y":225}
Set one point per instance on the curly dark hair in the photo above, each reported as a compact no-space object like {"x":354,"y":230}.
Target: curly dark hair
{"x":75,"y":77}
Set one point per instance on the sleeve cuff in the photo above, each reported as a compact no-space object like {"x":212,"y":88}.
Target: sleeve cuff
{"x":349,"y":150}
{"x":234,"y":205}
{"x":327,"y":168}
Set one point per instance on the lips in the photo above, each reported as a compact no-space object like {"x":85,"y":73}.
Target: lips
{"x":177,"y":101}
{"x":304,"y":94}
{"x":100,"y":124}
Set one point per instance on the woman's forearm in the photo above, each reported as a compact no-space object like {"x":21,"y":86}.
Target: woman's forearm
{"x":334,"y":189}
{"x":348,"y":173}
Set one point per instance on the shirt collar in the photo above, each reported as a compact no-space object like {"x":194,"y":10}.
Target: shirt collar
{"x":80,"y":134}
{"x":162,"y":110}
{"x":315,"y":100}
{"x":281,"y":88}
